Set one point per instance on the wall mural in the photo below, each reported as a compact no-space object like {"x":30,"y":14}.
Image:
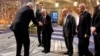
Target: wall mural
{"x":7,"y":12}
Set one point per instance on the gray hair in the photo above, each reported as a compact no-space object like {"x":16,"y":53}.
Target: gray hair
{"x":30,"y":4}
{"x":43,"y":10}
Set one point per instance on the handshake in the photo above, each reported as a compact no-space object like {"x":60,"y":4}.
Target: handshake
{"x":40,"y":23}
{"x":93,"y":30}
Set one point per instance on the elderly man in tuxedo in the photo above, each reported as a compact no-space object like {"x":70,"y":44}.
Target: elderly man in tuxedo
{"x":69,"y":27}
{"x":83,"y":30}
{"x":20,"y":28}
{"x":47,"y":31}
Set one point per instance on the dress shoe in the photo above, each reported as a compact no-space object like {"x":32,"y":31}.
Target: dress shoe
{"x":40,"y":45}
{"x":88,"y":54}
{"x":44,"y":51}
{"x":80,"y":55}
{"x":18,"y":55}
{"x":70,"y":54}
{"x":47,"y":52}
{"x":66,"y":53}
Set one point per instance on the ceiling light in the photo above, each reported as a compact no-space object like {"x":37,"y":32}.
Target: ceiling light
{"x":75,"y":3}
{"x":56,"y":4}
{"x":98,"y":2}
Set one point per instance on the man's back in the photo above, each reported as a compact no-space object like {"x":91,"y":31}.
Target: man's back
{"x":22,"y":19}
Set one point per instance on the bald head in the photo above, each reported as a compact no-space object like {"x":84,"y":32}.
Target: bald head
{"x":82,"y":7}
{"x":64,"y":11}
{"x":30,"y":4}
{"x":43,"y":12}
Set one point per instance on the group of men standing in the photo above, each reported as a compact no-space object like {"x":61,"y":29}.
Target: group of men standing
{"x":44,"y":29}
{"x":86,"y":26}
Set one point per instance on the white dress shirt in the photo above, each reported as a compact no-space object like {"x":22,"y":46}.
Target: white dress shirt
{"x":65,"y":18}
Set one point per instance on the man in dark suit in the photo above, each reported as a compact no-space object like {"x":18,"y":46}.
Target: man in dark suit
{"x":84,"y":31}
{"x":47,"y":31}
{"x":39,"y":28}
{"x":20,"y":28}
{"x":69,"y":27}
{"x":95,"y":29}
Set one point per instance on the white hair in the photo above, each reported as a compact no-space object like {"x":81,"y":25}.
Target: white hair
{"x":43,"y":10}
{"x":30,"y":4}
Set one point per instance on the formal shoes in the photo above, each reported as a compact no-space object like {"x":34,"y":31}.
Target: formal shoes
{"x":80,"y":55}
{"x":18,"y":55}
{"x":45,"y":51}
{"x":66,"y":53}
{"x":40,"y":45}
{"x":88,"y":54}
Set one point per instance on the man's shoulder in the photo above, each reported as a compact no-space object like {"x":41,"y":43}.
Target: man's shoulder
{"x":71,"y":16}
{"x":48,"y":16}
{"x":37,"y":10}
{"x":23,"y":9}
{"x":86,"y":12}
{"x":98,"y":12}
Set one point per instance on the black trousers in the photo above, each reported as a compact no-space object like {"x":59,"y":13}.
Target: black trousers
{"x":39,"y":32}
{"x":22,"y":39}
{"x":83,"y":45}
{"x":69,"y":43}
{"x":46,"y":40}
{"x":97,"y":44}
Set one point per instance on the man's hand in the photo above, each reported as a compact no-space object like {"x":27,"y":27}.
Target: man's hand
{"x":85,"y":35}
{"x":93,"y":29}
{"x":40,"y":23}
{"x":94,"y":33}
{"x":73,"y":35}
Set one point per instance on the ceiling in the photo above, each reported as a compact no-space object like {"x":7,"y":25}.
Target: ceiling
{"x":65,"y":3}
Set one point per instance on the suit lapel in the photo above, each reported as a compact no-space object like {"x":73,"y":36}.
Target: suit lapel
{"x":67,"y":19}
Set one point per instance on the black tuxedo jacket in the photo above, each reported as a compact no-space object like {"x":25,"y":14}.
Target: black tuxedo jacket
{"x":23,"y":18}
{"x":96,"y":21}
{"x":47,"y":26}
{"x":70,"y":26}
{"x":38,"y":15}
{"x":84,"y":24}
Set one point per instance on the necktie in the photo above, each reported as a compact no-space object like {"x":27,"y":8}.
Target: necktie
{"x":80,"y":18}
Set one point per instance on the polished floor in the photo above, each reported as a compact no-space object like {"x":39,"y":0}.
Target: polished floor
{"x":8,"y":44}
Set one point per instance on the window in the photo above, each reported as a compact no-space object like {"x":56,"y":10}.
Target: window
{"x":54,"y":16}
